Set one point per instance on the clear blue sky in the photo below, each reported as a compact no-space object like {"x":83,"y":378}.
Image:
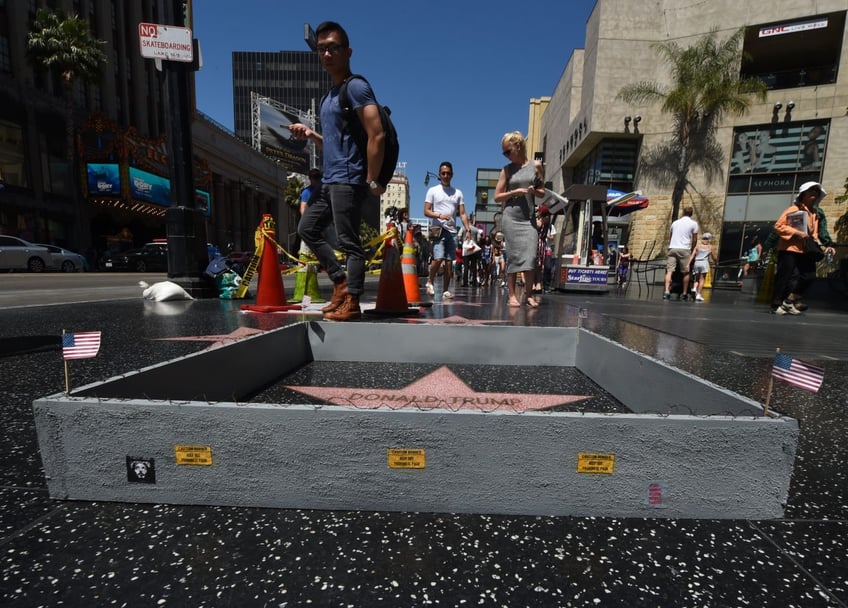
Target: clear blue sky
{"x":457,"y":75}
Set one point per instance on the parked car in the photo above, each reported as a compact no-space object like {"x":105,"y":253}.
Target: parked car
{"x":18,"y":254}
{"x":64,"y":260}
{"x":151,"y":257}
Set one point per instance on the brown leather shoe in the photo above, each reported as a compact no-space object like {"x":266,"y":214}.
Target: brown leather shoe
{"x":339,"y":293}
{"x":348,"y":311}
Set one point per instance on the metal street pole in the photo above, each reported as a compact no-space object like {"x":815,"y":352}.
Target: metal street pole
{"x":185,"y":224}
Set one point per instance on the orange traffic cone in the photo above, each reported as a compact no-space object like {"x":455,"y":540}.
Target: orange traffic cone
{"x":391,"y":294}
{"x":410,"y":272}
{"x":270,"y":294}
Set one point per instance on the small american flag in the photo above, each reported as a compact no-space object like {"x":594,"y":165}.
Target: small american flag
{"x":83,"y":345}
{"x":797,"y":373}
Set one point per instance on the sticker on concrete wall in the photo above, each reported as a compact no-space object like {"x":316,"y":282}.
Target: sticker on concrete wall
{"x":193,"y":454}
{"x":657,"y":494}
{"x":595,"y":463}
{"x":141,"y":470}
{"x":407,"y":459}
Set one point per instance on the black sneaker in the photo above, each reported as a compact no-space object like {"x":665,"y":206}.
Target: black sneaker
{"x":685,"y":297}
{"x":666,"y":296}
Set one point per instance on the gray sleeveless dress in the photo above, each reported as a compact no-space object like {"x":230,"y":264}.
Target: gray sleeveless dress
{"x":519,"y":232}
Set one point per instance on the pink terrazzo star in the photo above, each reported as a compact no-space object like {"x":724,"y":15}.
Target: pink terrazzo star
{"x":441,"y":389}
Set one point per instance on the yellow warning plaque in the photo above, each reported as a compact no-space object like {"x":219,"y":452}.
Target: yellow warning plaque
{"x":407,"y":459}
{"x":193,"y":454}
{"x":595,"y":463}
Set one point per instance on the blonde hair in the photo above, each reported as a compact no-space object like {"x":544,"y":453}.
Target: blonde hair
{"x":515,"y":138}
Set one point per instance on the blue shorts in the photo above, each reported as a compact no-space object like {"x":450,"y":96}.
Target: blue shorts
{"x":444,"y":247}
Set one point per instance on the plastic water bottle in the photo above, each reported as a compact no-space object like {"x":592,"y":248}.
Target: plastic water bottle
{"x":829,"y":257}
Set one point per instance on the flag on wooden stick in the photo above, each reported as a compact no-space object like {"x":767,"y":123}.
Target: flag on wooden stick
{"x":797,"y":373}
{"x":81,"y":345}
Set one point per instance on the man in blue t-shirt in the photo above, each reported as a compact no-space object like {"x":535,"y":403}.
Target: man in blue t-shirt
{"x":349,"y":174}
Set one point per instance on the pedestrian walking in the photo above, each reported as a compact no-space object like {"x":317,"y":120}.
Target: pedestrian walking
{"x":684,"y":232}
{"x":442,"y":204}
{"x":796,"y":267}
{"x":519,"y":183}
{"x":699,"y":261}
{"x":350,"y":174}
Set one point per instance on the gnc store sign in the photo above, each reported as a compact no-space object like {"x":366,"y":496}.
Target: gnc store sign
{"x":165,"y":42}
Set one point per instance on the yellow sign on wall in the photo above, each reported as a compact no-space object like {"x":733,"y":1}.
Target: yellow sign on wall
{"x":595,"y":463}
{"x":407,"y":459}
{"x":193,"y":454}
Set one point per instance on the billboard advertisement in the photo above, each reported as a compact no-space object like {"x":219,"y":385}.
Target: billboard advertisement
{"x":103,"y":179}
{"x":203,"y":201}
{"x":275,"y":140}
{"x":150,"y":188}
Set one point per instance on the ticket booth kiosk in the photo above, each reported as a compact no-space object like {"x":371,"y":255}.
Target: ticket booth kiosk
{"x":582,"y":250}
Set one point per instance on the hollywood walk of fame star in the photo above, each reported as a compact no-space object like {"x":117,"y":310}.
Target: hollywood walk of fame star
{"x":441,"y":389}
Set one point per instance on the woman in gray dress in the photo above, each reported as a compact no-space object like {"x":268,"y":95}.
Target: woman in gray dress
{"x":519,"y":182}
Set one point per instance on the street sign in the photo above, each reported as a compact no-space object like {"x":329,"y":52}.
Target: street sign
{"x":165,"y":42}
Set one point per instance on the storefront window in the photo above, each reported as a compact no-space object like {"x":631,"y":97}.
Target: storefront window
{"x":12,"y":161}
{"x":768,"y":164}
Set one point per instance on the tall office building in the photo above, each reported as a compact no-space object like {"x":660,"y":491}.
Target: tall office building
{"x":293,"y":78}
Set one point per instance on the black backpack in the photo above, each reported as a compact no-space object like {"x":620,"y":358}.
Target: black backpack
{"x":360,"y":137}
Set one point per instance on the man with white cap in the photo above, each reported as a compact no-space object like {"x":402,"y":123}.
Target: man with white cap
{"x":796,"y":269}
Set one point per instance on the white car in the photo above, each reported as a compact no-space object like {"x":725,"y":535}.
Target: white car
{"x":18,"y":254}
{"x":64,"y":260}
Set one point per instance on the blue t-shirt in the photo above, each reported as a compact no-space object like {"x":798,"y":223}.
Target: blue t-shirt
{"x":306,"y":194}
{"x":344,"y":163}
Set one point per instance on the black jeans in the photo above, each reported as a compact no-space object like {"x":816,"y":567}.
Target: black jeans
{"x":795,"y":272}
{"x":340,"y":204}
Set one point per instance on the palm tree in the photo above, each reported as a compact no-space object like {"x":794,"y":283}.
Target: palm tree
{"x":292,"y":194}
{"x":705,"y":87}
{"x":68,"y":46}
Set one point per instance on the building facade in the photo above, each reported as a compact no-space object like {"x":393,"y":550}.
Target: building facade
{"x":396,"y":195}
{"x":798,"y":134}
{"x":120,"y":160}
{"x":293,"y":78}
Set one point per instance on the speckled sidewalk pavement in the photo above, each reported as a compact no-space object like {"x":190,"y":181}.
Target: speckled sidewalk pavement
{"x":55,"y":553}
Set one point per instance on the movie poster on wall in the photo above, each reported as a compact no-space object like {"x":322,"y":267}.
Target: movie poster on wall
{"x":277,"y":142}
{"x":103,"y":179}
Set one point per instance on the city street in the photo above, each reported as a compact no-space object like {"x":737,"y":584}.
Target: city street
{"x":55,"y":552}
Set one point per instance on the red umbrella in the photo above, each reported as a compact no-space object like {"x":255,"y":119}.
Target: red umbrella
{"x":621,"y":203}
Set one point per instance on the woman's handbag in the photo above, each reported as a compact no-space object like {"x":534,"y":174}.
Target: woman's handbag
{"x":813,"y":249}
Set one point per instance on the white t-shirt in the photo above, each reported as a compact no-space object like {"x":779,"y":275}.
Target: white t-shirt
{"x":445,"y":201}
{"x":682,"y":231}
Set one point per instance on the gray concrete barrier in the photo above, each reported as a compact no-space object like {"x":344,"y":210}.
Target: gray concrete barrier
{"x":711,"y":456}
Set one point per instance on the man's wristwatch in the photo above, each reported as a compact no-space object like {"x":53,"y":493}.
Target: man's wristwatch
{"x":373,"y":185}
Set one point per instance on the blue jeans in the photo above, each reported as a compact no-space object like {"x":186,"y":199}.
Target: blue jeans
{"x":340,"y":204}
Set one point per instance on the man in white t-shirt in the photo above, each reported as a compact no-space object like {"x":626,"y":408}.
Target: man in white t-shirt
{"x":684,"y":232}
{"x":441,"y":205}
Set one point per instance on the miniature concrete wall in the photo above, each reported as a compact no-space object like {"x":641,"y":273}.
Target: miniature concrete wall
{"x":491,"y":345}
{"x":334,"y":457}
{"x":647,"y":385}
{"x":230,"y":372}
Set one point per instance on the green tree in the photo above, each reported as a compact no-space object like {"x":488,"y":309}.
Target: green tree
{"x":706,"y":86}
{"x":292,"y":194}
{"x":67,"y":46}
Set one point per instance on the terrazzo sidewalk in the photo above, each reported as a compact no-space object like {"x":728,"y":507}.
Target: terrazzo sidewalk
{"x":55,"y":553}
